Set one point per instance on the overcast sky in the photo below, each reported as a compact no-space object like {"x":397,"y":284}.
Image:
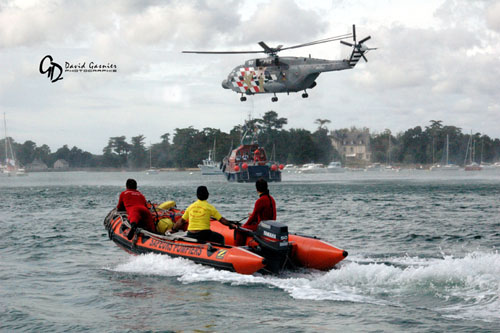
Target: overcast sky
{"x":436,"y":60}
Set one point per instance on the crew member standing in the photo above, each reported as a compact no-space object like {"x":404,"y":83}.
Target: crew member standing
{"x":265,"y":206}
{"x":138,"y":213}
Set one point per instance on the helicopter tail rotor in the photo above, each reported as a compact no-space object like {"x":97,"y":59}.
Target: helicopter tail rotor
{"x":359,"y":48}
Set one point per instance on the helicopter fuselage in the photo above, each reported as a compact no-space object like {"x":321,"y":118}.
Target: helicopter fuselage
{"x":280,"y":74}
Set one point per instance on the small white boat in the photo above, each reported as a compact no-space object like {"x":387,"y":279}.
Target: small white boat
{"x":374,"y":167}
{"x":209,"y":166}
{"x":12,"y":166}
{"x":335,"y":167}
{"x":446,"y":166}
{"x":312,"y":168}
{"x":151,"y":170}
{"x":290,"y":168}
{"x":471,"y":152}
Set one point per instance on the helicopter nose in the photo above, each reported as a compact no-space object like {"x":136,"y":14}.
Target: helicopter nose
{"x":225,"y":84}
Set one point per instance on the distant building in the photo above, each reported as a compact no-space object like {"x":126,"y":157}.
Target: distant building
{"x":353,"y":145}
{"x":61,"y":164}
{"x":37,"y":165}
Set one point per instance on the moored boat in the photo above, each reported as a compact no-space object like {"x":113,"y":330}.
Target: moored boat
{"x":249,"y":162}
{"x":335,"y":167}
{"x":313,"y":168}
{"x":270,"y":249}
{"x":209,"y":166}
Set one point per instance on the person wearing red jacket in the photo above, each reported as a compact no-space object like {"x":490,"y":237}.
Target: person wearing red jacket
{"x":264,"y":209}
{"x":138,"y":213}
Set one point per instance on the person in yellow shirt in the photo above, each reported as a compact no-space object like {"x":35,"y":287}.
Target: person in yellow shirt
{"x":199,"y":214}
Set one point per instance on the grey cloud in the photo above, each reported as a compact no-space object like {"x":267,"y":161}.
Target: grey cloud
{"x":493,"y":16}
{"x":281,"y":21}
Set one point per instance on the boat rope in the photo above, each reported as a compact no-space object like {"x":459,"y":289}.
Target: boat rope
{"x":156,"y":214}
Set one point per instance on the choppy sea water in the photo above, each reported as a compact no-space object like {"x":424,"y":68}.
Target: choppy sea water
{"x":423,"y":256}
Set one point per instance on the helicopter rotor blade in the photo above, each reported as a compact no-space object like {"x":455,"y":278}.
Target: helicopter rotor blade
{"x":346,"y":43}
{"x":273,"y":51}
{"x":364,"y":57}
{"x":364,"y":40}
{"x":321,"y":41}
{"x":266,"y":48}
{"x":354,"y":33}
{"x":222,"y":52}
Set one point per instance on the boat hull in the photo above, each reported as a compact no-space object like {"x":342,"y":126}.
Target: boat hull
{"x":219,"y":256}
{"x":209,"y":170}
{"x":305,"y":251}
{"x":252,"y":174}
{"x":270,"y":250}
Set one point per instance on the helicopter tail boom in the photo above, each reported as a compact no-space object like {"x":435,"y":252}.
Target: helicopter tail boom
{"x":358,"y":49}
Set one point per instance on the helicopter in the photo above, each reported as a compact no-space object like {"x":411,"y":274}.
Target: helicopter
{"x":276,"y":74}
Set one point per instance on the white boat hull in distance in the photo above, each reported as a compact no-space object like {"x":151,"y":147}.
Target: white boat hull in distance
{"x":335,"y":167}
{"x":209,"y":169}
{"x":312,"y":168}
{"x":447,"y":167}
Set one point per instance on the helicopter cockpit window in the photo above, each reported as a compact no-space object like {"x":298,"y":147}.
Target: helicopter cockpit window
{"x":267,"y":75}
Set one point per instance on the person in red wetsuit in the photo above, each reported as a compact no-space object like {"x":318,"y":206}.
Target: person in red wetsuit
{"x":138,"y":213}
{"x":264,"y":209}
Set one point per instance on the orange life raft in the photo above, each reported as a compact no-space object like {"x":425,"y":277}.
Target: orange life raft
{"x":269,"y":249}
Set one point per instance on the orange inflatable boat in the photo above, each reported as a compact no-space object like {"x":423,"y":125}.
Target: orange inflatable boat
{"x":270,"y":249}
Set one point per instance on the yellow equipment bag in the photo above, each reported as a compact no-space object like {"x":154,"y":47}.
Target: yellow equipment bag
{"x":164,"y":224}
{"x":167,"y":205}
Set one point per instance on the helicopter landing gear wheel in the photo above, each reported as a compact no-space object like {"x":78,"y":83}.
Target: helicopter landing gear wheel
{"x":305,"y":95}
{"x":274,"y":99}
{"x":243,"y":98}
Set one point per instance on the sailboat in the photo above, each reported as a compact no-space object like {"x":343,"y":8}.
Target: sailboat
{"x":388,"y":166}
{"x":471,"y":152}
{"x":151,"y":170}
{"x":447,"y":166}
{"x":209,"y":166}
{"x":11,"y":167}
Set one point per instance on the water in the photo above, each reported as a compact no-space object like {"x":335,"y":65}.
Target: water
{"x":423,"y":256}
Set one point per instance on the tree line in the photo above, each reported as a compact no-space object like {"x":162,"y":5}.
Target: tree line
{"x":189,"y":146}
{"x":428,"y":146}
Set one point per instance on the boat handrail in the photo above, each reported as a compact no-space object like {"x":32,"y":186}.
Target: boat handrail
{"x":171,"y":237}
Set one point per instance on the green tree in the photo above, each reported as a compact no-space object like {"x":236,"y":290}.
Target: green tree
{"x":321,"y":122}
{"x":138,"y":155}
{"x":43,"y":153}
{"x":414,"y":146}
{"x":323,"y":143}
{"x":25,"y":153}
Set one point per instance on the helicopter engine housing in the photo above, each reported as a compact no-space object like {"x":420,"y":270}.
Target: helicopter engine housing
{"x":274,"y":87}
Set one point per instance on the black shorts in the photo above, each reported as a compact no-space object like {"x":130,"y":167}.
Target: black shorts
{"x":207,"y":236}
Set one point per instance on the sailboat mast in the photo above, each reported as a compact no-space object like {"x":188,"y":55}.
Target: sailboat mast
{"x":215,"y":140}
{"x":150,"y":152}
{"x":473,"y":151}
{"x":467,"y":150}
{"x":389,"y":151}
{"x":447,"y":148}
{"x":9,"y":152}
{"x":5,"y":130}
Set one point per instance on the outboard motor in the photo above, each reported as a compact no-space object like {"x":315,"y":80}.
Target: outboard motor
{"x":272,"y":237}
